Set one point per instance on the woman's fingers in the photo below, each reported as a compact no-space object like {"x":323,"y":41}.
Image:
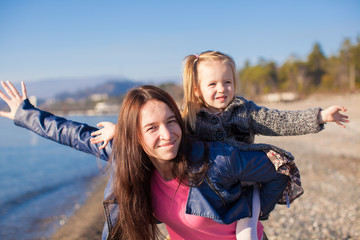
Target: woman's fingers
{"x":5,"y":114}
{"x":4,"y":97}
{"x":14,"y":91}
{"x":23,"y":88}
{"x":7,"y":90}
{"x":13,"y":98}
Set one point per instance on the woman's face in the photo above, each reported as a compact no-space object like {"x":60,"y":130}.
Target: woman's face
{"x":160,"y":131}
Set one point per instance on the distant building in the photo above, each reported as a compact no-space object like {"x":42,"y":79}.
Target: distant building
{"x":280,"y":97}
{"x":99,"y":97}
{"x":103,"y":108}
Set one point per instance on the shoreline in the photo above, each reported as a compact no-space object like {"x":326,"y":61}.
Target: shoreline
{"x":87,"y":222}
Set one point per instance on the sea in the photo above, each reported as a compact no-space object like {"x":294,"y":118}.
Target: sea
{"x":42,"y":183}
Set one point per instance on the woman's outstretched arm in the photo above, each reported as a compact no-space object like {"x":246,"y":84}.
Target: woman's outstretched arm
{"x":58,"y":129}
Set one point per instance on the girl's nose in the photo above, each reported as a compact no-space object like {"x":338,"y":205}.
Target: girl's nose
{"x":221,"y":88}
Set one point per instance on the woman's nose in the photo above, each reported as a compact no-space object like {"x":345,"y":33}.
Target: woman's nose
{"x":165,"y":133}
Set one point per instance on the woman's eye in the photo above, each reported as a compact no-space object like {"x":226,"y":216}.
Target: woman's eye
{"x":151,"y":129}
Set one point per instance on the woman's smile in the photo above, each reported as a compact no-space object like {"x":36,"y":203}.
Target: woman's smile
{"x":168,"y":144}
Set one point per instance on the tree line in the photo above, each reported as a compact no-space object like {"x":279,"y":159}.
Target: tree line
{"x":337,"y":73}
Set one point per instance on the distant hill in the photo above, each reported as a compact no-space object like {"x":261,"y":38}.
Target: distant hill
{"x":80,"y":88}
{"x":111,"y":88}
{"x":55,"y":88}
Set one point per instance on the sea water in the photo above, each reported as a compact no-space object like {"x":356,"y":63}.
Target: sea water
{"x":41,"y":182}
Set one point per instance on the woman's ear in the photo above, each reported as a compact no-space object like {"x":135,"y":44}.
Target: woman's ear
{"x":197,"y":92}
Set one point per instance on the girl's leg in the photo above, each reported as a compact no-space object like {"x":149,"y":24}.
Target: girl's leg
{"x":246,"y":228}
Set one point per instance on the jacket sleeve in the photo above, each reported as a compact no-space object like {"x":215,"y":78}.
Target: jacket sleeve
{"x":73,"y":134}
{"x":255,"y":166}
{"x":273,"y":122}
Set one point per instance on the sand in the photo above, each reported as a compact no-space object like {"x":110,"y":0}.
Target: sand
{"x":329,"y":163}
{"x":88,"y":221}
{"x":330,"y":171}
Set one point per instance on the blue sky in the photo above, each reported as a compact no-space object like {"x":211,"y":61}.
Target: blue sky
{"x":147,"y":40}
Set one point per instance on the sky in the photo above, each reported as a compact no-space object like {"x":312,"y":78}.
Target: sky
{"x":148,"y":40}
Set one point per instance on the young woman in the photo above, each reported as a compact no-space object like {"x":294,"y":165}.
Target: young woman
{"x":158,"y":173}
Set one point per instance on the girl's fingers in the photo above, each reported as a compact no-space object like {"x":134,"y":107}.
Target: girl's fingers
{"x":96,"y":133}
{"x":96,"y":140}
{"x":341,"y":125}
{"x":100,"y":124}
{"x":104,"y":144}
{"x":343,"y":116}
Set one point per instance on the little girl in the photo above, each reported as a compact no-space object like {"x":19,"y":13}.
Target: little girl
{"x":212,"y":113}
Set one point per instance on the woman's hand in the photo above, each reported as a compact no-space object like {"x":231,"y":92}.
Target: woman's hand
{"x":13,"y":100}
{"x":332,"y":114}
{"x":103,"y":135}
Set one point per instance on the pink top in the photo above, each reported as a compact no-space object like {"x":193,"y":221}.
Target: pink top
{"x":170,"y":209}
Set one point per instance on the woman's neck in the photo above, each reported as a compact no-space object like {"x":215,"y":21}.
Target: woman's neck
{"x":164,"y":168}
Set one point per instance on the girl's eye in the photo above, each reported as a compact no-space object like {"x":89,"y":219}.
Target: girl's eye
{"x":212,"y":84}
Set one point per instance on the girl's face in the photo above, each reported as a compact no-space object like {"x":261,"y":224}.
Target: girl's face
{"x":216,"y":85}
{"x":160,"y":132}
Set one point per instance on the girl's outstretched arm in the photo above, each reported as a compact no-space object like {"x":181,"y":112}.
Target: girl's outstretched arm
{"x":13,"y":100}
{"x":332,"y":114}
{"x":104,"y":134}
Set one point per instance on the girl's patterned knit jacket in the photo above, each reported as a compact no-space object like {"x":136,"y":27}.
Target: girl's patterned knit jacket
{"x":242,"y":119}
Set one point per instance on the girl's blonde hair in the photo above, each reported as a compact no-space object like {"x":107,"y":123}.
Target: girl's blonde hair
{"x":191,"y":102}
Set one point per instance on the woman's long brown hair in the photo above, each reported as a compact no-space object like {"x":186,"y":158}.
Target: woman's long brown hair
{"x":132,"y":169}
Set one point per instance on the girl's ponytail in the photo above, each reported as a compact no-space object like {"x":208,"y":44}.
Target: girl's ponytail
{"x":190,"y":102}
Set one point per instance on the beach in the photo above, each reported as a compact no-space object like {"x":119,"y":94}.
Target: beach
{"x":330,"y":173}
{"x":88,"y":221}
{"x":329,"y":163}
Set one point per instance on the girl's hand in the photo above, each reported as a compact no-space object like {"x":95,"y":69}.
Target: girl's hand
{"x":103,"y":135}
{"x":332,"y":114}
{"x":13,"y":100}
